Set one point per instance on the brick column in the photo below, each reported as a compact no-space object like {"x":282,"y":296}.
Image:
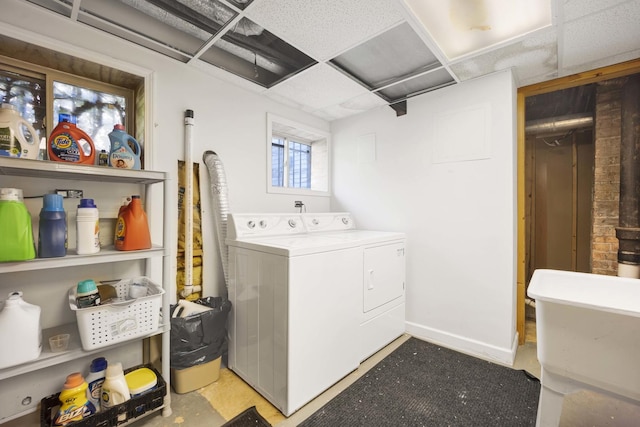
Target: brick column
{"x":606,"y":186}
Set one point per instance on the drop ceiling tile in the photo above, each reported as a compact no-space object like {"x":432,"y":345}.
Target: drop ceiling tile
{"x":602,"y":35}
{"x":533,"y":57}
{"x":359,"y":104}
{"x":318,"y":87}
{"x":462,"y":27}
{"x":389,"y":57}
{"x":325,"y":28}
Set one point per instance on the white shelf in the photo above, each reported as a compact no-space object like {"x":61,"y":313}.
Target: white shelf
{"x":35,"y":170}
{"x":105,"y":255}
{"x":74,"y":350}
{"x":59,"y":170}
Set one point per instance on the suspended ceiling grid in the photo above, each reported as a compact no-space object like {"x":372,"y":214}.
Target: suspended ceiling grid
{"x":325,"y":35}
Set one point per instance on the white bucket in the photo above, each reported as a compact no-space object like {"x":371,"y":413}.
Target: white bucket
{"x":20,"y":331}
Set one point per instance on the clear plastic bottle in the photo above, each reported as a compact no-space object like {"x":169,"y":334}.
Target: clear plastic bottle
{"x":114,"y":388}
{"x":95,"y":379}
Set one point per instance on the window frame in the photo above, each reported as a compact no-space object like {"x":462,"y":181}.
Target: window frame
{"x":49,"y":75}
{"x":321,"y":136}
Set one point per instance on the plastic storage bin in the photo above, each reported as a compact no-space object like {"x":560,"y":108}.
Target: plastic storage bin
{"x":133,"y":408}
{"x":123,"y":320}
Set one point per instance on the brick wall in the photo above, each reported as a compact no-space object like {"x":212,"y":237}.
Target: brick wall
{"x":606,"y":188}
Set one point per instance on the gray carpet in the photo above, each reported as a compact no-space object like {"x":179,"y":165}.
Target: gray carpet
{"x":421,"y":384}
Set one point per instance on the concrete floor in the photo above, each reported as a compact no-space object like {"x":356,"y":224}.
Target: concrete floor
{"x":213,"y":405}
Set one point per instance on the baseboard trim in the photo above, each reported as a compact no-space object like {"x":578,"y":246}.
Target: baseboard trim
{"x":482,"y":350}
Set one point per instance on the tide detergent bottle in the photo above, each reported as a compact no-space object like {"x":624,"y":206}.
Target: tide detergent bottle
{"x":132,"y":228}
{"x":125,"y":150}
{"x":74,"y":405}
{"x":69,"y":143}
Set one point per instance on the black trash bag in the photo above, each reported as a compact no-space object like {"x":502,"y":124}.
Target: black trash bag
{"x":200,"y":337}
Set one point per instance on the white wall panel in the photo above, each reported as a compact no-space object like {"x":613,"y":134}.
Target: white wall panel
{"x":459,"y":215}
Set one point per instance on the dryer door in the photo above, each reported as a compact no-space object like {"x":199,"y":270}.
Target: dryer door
{"x":384,"y":274}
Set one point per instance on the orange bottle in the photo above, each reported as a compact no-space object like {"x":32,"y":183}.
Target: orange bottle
{"x":132,"y":227}
{"x":68,"y":143}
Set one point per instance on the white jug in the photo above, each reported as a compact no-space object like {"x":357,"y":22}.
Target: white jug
{"x":17,"y":137}
{"x":20,"y":331}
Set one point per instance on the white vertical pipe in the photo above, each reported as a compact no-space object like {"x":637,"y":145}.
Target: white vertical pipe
{"x":188,"y":205}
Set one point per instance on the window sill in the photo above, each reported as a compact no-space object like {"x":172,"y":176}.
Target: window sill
{"x":297,"y":191}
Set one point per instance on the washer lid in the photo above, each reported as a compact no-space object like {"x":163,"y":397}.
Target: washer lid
{"x":294,"y":245}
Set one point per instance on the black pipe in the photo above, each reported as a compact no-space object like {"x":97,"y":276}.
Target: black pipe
{"x":628,"y":232}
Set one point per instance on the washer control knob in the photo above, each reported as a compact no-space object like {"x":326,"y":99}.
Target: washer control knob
{"x":263,"y":224}
{"x":292,"y":223}
{"x":251,"y":224}
{"x":345,"y":220}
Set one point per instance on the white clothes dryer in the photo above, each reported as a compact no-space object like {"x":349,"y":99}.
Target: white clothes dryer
{"x":311,"y":298}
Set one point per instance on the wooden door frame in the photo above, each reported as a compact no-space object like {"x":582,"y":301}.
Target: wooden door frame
{"x":579,"y":79}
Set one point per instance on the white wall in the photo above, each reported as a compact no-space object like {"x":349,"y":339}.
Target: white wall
{"x":228,"y":120}
{"x":445,"y":174}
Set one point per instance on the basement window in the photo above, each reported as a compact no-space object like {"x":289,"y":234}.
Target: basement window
{"x":298,"y":158}
{"x":40,"y":93}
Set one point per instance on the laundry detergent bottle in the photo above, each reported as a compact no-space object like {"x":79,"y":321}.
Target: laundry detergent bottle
{"x":132,"y":228}
{"x":16,"y":232}
{"x":125,"y":150}
{"x":17,"y":137}
{"x":74,"y":404}
{"x":52,"y":240}
{"x":97,"y":373}
{"x":69,"y":143}
{"x":114,"y":388}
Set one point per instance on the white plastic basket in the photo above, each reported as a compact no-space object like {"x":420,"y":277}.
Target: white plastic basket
{"x":124,"y":320}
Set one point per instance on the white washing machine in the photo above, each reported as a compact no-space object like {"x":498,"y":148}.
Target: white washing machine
{"x":311,"y":298}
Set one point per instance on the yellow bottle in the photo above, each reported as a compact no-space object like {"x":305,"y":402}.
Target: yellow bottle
{"x":74,"y":405}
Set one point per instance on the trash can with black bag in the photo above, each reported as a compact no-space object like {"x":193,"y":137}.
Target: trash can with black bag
{"x":198,"y":341}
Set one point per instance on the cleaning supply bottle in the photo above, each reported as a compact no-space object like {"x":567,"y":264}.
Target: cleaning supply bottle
{"x":69,"y":143}
{"x":17,"y":137}
{"x":74,"y":405}
{"x":87,"y":228}
{"x":16,"y":243}
{"x":132,"y":227}
{"x":52,"y":236}
{"x":20,"y":331}
{"x":114,"y":388}
{"x":125,"y":150}
{"x":87,"y":294}
{"x":97,"y":373}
